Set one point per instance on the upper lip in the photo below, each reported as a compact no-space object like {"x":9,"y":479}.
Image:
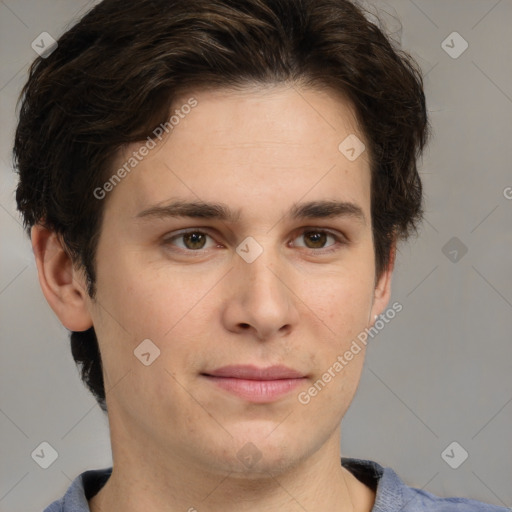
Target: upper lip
{"x":251,"y":372}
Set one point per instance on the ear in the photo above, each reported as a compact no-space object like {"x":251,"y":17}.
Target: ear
{"x":382,"y":291}
{"x":62,"y":285}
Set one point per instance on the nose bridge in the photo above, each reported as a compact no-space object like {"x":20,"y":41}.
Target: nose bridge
{"x":262,"y":299}
{"x":262,"y":278}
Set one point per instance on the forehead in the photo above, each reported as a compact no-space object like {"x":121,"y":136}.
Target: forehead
{"x":280,"y":141}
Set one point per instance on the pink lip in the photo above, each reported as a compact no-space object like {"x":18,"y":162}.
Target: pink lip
{"x":256,"y":384}
{"x":250,"y":372}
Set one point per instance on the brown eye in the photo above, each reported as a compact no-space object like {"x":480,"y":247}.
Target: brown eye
{"x":315,"y":239}
{"x":191,"y":241}
{"x":194,"y":240}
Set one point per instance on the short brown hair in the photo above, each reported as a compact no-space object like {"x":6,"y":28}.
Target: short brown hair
{"x":115,"y":74}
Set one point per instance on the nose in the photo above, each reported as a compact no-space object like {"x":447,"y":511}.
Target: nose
{"x":260,"y":300}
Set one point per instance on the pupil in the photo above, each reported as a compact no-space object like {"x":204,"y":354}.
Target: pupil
{"x":194,"y":240}
{"x":318,"y":239}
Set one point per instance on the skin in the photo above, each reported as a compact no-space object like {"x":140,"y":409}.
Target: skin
{"x":175,"y":435}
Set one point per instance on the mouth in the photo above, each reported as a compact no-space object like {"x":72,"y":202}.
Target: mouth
{"x":253,"y":384}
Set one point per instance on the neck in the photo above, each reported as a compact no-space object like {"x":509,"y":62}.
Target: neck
{"x":146,"y":477}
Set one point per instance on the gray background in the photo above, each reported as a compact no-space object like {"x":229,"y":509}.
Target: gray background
{"x":438,"y":373}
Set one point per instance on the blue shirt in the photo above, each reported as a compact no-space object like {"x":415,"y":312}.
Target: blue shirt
{"x":392,"y":495}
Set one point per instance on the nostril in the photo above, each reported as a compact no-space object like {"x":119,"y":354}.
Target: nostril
{"x":245,"y":326}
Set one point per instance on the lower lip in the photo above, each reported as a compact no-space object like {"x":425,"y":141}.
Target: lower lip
{"x":259,"y":391}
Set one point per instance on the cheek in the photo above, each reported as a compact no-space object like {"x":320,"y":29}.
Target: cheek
{"x":171,"y":308}
{"x":341,"y":300}
{"x":338,"y":356}
{"x":135,"y":306}
{"x":131,"y":307}
{"x":147,"y":302}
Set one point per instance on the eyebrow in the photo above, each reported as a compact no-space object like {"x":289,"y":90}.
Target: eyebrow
{"x":220,"y":211}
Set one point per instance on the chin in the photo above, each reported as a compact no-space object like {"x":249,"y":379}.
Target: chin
{"x":266,"y":449}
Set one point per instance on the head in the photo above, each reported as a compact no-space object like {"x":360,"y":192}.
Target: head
{"x":241,"y":108}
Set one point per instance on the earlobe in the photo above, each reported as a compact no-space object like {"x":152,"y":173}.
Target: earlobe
{"x":61,"y":283}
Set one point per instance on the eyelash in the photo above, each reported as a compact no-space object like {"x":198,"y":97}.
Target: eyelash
{"x":339,"y":241}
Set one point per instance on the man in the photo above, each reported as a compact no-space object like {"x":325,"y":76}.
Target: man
{"x":214,"y":192}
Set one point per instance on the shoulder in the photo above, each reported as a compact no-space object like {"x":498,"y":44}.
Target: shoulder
{"x":393,"y":495}
{"x":56,"y":506}
{"x":80,"y":491}
{"x":416,"y":500}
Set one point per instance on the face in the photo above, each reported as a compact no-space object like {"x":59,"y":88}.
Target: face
{"x":243,"y":239}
